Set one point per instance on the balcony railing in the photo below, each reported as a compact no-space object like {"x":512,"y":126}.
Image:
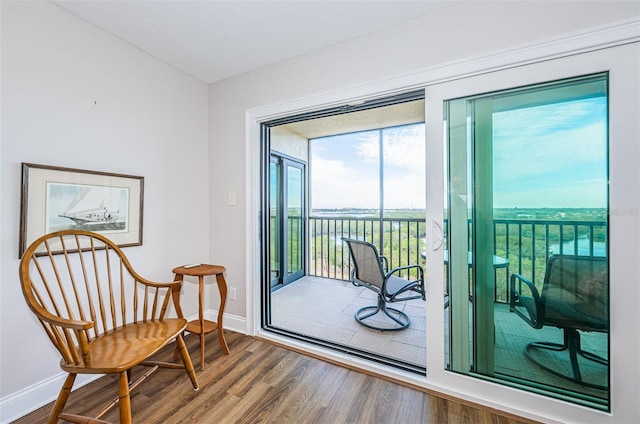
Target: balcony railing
{"x":401,"y":240}
{"x":527,"y":244}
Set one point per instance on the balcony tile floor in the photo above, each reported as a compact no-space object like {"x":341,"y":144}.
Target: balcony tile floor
{"x":324,"y":308}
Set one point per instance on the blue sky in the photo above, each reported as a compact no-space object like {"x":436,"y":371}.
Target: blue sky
{"x":552,"y":155}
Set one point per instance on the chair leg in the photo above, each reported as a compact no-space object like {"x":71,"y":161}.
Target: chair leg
{"x":124,"y":399}
{"x":186,"y":359}
{"x":176,"y":351}
{"x":403,"y":321}
{"x":572,"y":345}
{"x":63,"y":396}
{"x":374,"y":310}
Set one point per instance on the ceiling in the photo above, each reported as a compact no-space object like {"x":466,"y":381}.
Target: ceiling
{"x":213,"y":40}
{"x":411,"y":112}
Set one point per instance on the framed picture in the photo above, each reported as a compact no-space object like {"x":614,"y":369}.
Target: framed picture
{"x":55,"y":198}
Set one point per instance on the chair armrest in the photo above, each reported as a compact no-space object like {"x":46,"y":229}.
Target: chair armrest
{"x":532,"y":304}
{"x":162,"y":285}
{"x":56,"y":320}
{"x":414,"y":285}
{"x":160,"y":302}
{"x":385,"y":263}
{"x":137,"y":277}
{"x":407,"y":267}
{"x":353,"y":279}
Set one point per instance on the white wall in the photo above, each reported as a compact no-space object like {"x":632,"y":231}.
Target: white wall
{"x":75,"y":96}
{"x":461,"y":32}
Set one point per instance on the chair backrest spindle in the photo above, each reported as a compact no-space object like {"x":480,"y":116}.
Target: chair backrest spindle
{"x":123,"y":305}
{"x":84,"y":277}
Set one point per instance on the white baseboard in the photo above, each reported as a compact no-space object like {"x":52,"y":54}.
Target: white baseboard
{"x":233,"y":323}
{"x":21,"y":403}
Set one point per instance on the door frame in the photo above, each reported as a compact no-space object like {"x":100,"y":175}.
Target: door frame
{"x":285,"y":162}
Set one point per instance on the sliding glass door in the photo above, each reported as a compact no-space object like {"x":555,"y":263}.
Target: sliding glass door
{"x":525,"y":229}
{"x":286,"y":218}
{"x":364,"y":166}
{"x":528,"y":188}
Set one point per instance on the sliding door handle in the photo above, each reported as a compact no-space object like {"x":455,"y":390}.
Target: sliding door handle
{"x":437,"y":236}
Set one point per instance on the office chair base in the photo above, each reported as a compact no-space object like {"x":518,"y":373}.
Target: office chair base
{"x":572,"y":345}
{"x":400,"y":318}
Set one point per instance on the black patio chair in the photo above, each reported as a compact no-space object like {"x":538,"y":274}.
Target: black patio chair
{"x":371,"y":271}
{"x":574,"y":298}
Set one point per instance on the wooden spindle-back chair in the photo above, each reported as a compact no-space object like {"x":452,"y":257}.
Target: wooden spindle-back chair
{"x":99,"y":313}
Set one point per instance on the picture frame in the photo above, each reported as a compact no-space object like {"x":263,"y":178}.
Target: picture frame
{"x":54,"y":198}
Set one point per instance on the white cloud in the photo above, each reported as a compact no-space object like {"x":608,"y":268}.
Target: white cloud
{"x":335,"y":184}
{"x":353,"y":181}
{"x":405,"y":148}
{"x":402,"y":147}
{"x":369,"y":150}
{"x":407,"y":191}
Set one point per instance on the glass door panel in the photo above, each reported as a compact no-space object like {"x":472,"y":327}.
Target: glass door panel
{"x":294,"y":233}
{"x":287,"y":220}
{"x":366,"y":180}
{"x":403,"y":189}
{"x":527,"y":256}
{"x":274,"y":221}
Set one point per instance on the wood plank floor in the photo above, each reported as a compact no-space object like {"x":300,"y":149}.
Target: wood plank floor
{"x":263,"y":383}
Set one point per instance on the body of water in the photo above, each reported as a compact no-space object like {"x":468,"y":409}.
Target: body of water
{"x":569,"y":248}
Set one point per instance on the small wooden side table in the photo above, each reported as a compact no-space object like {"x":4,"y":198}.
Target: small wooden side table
{"x":202,"y":326}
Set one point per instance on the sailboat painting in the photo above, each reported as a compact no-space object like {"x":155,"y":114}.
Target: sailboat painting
{"x":88,"y":207}
{"x":56,"y":199}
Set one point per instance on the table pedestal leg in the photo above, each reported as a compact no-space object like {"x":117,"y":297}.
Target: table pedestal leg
{"x":222,"y":287}
{"x":201,"y":319}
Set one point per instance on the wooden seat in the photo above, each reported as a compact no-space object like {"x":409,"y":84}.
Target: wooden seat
{"x":100,"y":314}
